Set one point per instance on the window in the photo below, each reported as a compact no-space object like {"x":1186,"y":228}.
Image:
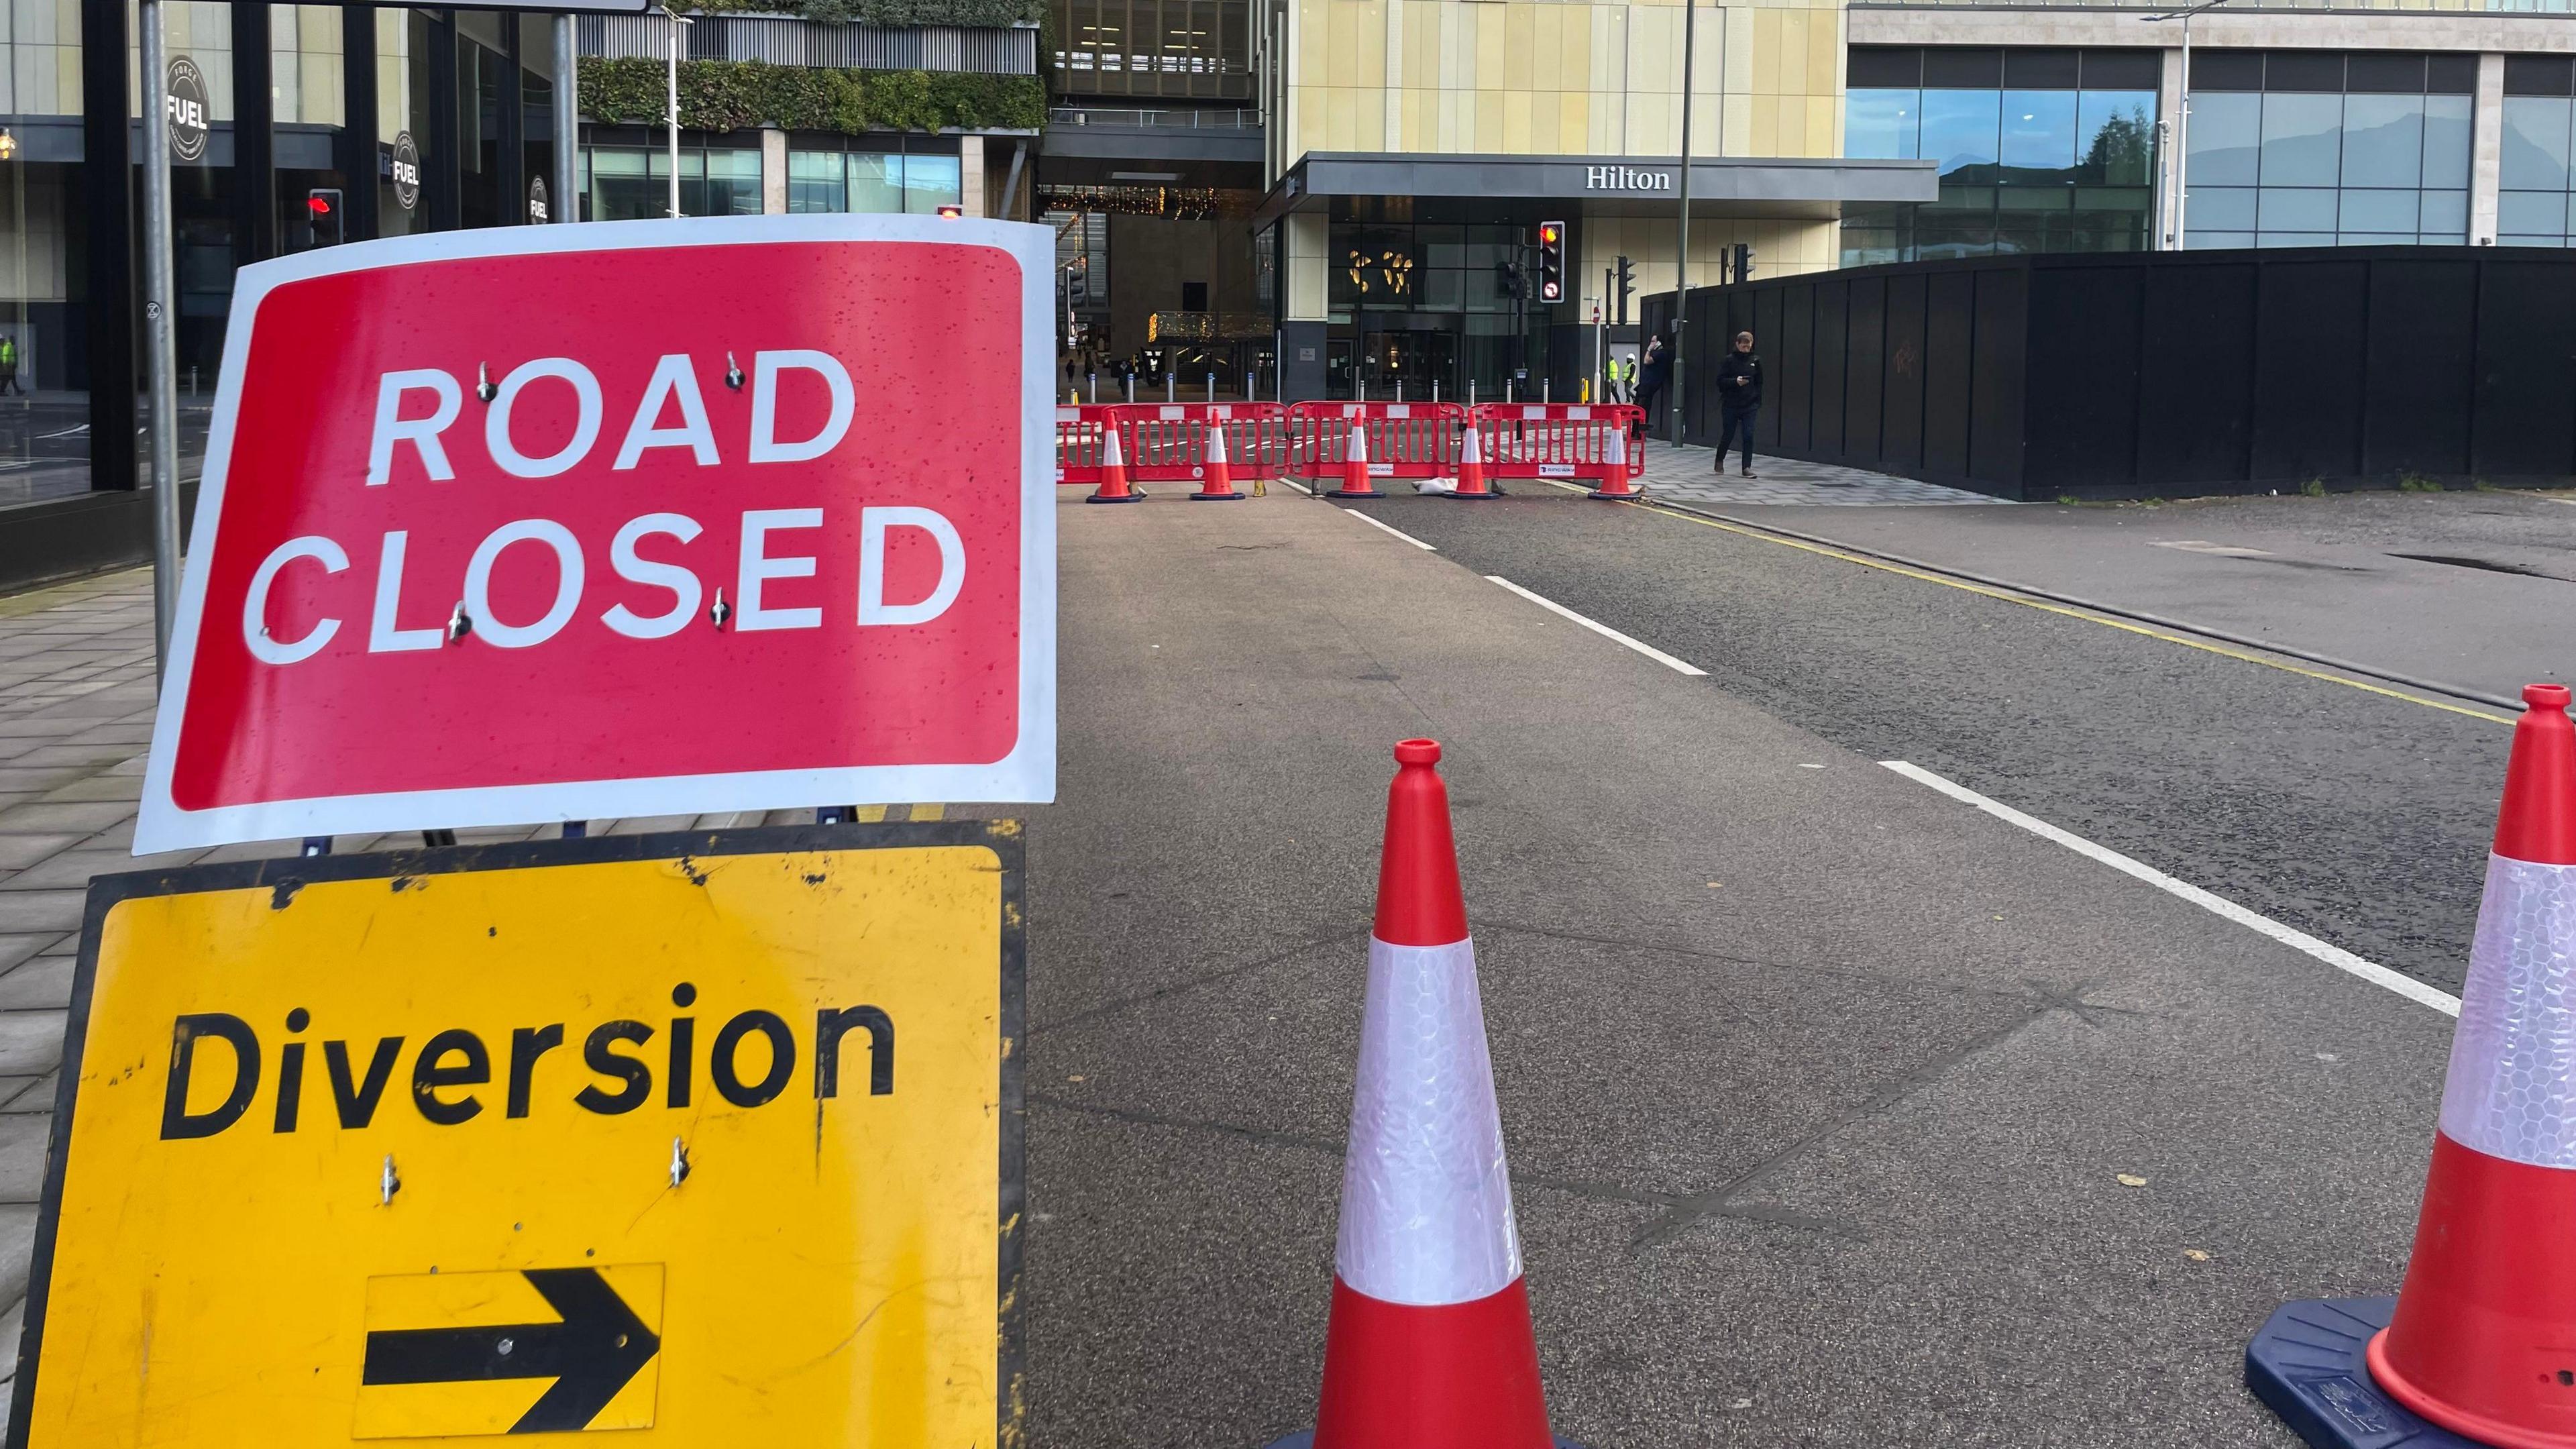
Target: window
{"x":871,"y":181}
{"x":2317,"y":148}
{"x":2039,"y":149}
{"x":629,"y":182}
{"x":2536,"y":175}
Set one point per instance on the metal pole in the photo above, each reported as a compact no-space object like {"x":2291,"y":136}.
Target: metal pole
{"x":1211,"y":384}
{"x":1171,"y":387}
{"x":567,"y":123}
{"x":161,"y":350}
{"x":672,"y":99}
{"x":1681,"y":269}
{"x":2182,"y":141}
{"x":1095,"y":387}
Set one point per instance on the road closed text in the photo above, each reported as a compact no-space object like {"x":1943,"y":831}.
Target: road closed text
{"x":658,"y":577}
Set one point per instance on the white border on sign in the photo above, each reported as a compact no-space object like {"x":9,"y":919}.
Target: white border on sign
{"x":1026,"y":774}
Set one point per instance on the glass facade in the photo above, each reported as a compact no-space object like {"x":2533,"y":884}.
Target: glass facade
{"x":2040,"y":150}
{"x":2535,"y":179}
{"x":47,"y":253}
{"x":2317,"y":148}
{"x":873,"y":181}
{"x":629,"y":183}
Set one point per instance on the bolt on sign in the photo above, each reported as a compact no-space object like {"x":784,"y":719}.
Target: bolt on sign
{"x":569,"y":523}
{"x":715,"y":1148}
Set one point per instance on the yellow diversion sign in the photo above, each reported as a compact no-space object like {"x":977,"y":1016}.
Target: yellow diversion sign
{"x":701,"y":1140}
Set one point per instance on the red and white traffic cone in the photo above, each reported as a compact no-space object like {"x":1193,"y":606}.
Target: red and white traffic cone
{"x":1355,"y":464}
{"x":1113,"y":473}
{"x":1616,"y":485}
{"x":1429,"y":1345}
{"x":2481,"y":1341}
{"x":1471,"y":468}
{"x":1217,"y":484}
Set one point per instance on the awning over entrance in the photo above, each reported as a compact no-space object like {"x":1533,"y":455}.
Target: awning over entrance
{"x":1720,"y":186}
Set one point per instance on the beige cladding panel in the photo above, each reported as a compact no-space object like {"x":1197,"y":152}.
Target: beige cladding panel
{"x":1538,"y":77}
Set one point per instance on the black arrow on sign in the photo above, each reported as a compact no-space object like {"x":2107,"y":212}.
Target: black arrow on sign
{"x":590,"y":1355}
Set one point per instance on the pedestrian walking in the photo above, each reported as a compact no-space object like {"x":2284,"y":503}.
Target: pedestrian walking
{"x":9,"y":366}
{"x":1656,"y":370}
{"x":1739,"y":388}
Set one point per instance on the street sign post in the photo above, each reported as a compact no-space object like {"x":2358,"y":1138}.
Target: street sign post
{"x":531,"y":524}
{"x":709,"y":1138}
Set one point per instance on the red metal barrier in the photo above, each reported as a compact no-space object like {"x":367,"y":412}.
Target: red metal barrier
{"x":1405,"y":440}
{"x":1079,"y":434}
{"x":1557,"y":440}
{"x":1167,"y":442}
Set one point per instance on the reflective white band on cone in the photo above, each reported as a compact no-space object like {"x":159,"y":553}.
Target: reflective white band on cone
{"x":2511,"y":1092}
{"x":1426,"y":1196}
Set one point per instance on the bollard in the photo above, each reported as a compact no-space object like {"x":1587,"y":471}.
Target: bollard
{"x":1399,"y":389}
{"x":1171,"y":387}
{"x":1471,"y":392}
{"x":1435,"y":392}
{"x":1131,"y":387}
{"x":1546,"y":389}
{"x":1211,"y":384}
{"x":1095,"y":387}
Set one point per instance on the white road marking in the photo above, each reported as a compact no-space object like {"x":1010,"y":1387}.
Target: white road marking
{"x":2335,"y":956}
{"x":2570,"y":502}
{"x":2222,"y":550}
{"x":1604,"y":630}
{"x":1300,"y":487}
{"x":1400,"y":533}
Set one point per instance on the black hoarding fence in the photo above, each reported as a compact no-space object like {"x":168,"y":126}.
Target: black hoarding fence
{"x":2144,"y":374}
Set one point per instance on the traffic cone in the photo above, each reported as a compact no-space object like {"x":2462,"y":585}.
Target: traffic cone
{"x":2479,"y":1347}
{"x":1217,"y":485}
{"x":1113,"y":473}
{"x":1471,"y":468}
{"x":1616,"y":485}
{"x":1355,"y":472}
{"x":1429,"y":1344}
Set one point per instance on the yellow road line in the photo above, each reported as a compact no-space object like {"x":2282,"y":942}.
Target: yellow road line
{"x":2027,"y":602}
{"x":872,"y":814}
{"x":929,"y":812}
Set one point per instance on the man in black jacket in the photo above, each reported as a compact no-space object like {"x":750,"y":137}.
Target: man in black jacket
{"x":1739,"y":388}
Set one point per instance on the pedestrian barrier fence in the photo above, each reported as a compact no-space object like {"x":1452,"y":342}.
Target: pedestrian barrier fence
{"x":1403,"y":440}
{"x":1080,"y":431}
{"x":1556,"y":440}
{"x":1167,"y":442}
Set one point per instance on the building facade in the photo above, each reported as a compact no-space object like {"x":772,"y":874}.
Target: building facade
{"x":327,"y":124}
{"x":1404,"y":151}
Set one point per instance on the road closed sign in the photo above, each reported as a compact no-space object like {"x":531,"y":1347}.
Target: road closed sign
{"x":704,"y":1150}
{"x":584,"y":522}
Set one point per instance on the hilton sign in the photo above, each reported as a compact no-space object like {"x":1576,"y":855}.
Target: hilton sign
{"x":1625,"y":178}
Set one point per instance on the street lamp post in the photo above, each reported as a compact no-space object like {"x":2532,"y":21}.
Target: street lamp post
{"x":672,"y":99}
{"x":1681,"y":269}
{"x":2174,"y":234}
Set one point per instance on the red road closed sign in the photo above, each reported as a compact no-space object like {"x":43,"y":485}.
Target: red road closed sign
{"x":650,"y":518}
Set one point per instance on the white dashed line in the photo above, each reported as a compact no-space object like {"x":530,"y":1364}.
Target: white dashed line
{"x":1400,"y":533}
{"x":1604,"y":630}
{"x":2335,"y":956}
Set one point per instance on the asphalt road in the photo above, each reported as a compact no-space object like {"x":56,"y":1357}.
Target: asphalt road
{"x":2357,"y":817}
{"x":1839,"y":1113}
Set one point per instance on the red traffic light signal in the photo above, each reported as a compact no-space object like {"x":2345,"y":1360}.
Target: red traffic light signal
{"x":318,"y":204}
{"x":1551,"y":261}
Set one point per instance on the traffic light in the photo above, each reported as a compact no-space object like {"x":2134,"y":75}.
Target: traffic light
{"x":322,"y":208}
{"x":1743,"y":262}
{"x":1551,"y":261}
{"x":1507,"y":280}
{"x":1627,"y":287}
{"x":1077,"y":282}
